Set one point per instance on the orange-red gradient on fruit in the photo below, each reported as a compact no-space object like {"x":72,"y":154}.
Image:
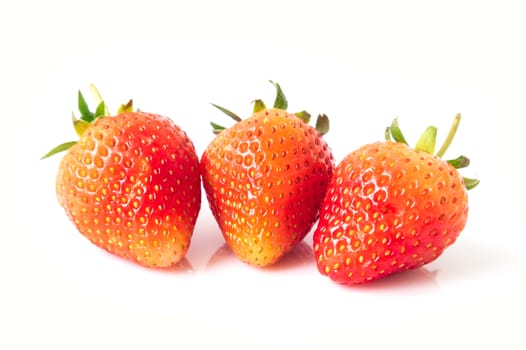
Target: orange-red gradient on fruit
{"x":388,"y":208}
{"x":131,"y":185}
{"x":265,"y":178}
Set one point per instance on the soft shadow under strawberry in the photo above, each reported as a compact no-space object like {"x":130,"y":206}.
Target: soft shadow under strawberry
{"x":301,"y":255}
{"x":415,"y":279}
{"x":182,"y":267}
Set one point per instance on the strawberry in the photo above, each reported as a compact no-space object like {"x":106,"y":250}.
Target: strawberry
{"x":131,"y":184}
{"x":265,"y":178}
{"x":390,"y":208}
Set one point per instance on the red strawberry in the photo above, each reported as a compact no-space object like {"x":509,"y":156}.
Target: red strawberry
{"x":265,"y":178}
{"x":391,"y":208}
{"x":131,"y":184}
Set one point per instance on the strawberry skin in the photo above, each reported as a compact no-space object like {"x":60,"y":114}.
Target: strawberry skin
{"x":265,"y":178}
{"x":388,"y":208}
{"x":131,"y":185}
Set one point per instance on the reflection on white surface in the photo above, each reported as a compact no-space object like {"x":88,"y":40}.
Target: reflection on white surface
{"x":362,"y":63}
{"x":299,"y":256}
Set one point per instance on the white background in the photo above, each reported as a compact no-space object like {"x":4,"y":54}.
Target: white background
{"x":362,"y":63}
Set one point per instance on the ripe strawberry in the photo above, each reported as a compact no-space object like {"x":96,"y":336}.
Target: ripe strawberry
{"x":390,"y":208}
{"x":131,"y":184}
{"x":265,"y":178}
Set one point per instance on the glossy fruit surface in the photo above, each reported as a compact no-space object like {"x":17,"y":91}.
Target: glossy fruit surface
{"x":265,"y":178}
{"x":131,"y":185}
{"x":388,"y":208}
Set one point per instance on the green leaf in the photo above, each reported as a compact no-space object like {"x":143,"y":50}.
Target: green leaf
{"x":470,"y":183}
{"x":60,"y":148}
{"x":387,"y":134}
{"x":460,"y":162}
{"x":227,"y":112}
{"x":396,"y":132}
{"x":100,"y":111}
{"x":427,"y":141}
{"x":85,"y":113}
{"x":79,"y":125}
{"x":98,"y":97}
{"x":322,"y":124}
{"x":259,"y":105}
{"x":216,"y":128}
{"x":127,"y":107}
{"x":281,"y":101}
{"x":303,"y":115}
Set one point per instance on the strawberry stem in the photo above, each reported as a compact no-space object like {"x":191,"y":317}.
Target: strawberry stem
{"x":87,"y":117}
{"x":450,"y":136}
{"x":280,"y":102}
{"x":427,"y":143}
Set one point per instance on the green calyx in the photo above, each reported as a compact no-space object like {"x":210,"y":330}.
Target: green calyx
{"x":280,"y":102}
{"x":87,"y":117}
{"x":427,"y":143}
